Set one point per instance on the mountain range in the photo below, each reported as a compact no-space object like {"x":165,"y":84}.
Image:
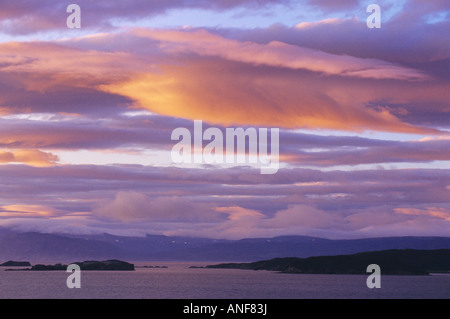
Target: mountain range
{"x":64,"y":247}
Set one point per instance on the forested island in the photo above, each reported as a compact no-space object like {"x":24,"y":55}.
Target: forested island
{"x":11,"y":263}
{"x":85,"y":265}
{"x":391,"y":262}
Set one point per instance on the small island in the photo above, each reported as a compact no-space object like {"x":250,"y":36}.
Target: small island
{"x":391,"y":262}
{"x":11,"y":263}
{"x":114,"y":265}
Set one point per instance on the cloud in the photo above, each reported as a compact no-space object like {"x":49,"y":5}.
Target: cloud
{"x":357,"y":151}
{"x":303,"y":215}
{"x":204,"y":90}
{"x":269,"y":82}
{"x":350,"y":36}
{"x":278,"y":54}
{"x":309,"y":220}
{"x":77,"y":96}
{"x":133,"y":206}
{"x":64,"y":65}
{"x":11,"y":211}
{"x":273,"y":84}
{"x":29,"y":157}
{"x":67,"y":132}
{"x":337,"y":5}
{"x":231,"y":203}
{"x":66,"y":224}
{"x":436,"y":212}
{"x":24,"y":17}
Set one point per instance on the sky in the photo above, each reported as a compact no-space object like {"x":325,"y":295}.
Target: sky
{"x":86,"y":117}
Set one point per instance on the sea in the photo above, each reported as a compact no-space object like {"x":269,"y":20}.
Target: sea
{"x":179,"y":281}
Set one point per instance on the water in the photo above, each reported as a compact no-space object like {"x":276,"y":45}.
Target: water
{"x":180,"y":282}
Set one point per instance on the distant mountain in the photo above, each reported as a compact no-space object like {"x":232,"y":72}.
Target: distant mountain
{"x":62,"y":247}
{"x":38,"y":246}
{"x":391,"y":262}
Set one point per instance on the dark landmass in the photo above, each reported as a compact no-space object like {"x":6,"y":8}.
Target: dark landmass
{"x":40,"y":267}
{"x":11,"y":263}
{"x":65,"y":248}
{"x":105,"y":265}
{"x":86,"y":265}
{"x":391,"y":262}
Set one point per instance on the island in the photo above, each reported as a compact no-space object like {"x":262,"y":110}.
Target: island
{"x":113,"y":264}
{"x":11,"y":263}
{"x":391,"y":262}
{"x":87,"y":265}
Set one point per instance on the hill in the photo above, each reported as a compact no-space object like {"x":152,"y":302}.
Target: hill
{"x":391,"y":262}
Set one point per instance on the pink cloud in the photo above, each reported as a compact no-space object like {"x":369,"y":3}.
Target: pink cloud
{"x":436,"y":212}
{"x":278,"y":54}
{"x":135,"y":206}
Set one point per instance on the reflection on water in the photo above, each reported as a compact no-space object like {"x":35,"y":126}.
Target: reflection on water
{"x":178,"y":281}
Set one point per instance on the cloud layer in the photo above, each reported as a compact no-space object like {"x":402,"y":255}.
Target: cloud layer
{"x":86,"y":120}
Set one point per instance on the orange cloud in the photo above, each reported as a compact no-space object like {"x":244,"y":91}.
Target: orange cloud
{"x":26,"y":211}
{"x":227,"y":93}
{"x":29,"y":157}
{"x":200,"y":75}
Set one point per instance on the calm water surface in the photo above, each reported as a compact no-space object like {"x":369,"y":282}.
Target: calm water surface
{"x":180,"y":282}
